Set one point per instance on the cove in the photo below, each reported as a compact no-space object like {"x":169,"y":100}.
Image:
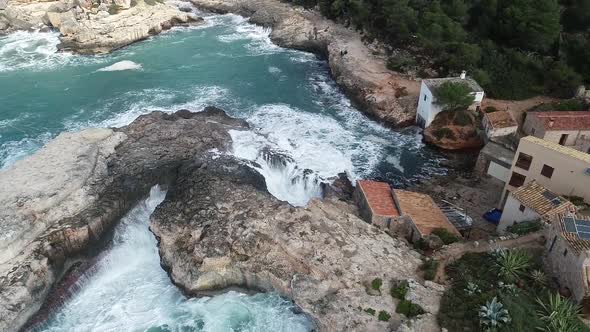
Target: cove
{"x":295,"y":111}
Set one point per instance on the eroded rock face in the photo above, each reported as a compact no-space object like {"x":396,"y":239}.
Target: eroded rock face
{"x":384,"y":95}
{"x":94,"y":27}
{"x":58,"y":202}
{"x":219,"y":228}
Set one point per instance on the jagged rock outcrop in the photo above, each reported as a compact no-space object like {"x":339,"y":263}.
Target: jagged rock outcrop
{"x":59,"y":201}
{"x":383,"y":94}
{"x":219,"y":228}
{"x":456,"y":130}
{"x":92,"y":27}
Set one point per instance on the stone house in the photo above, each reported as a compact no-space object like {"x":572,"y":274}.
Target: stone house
{"x":564,"y":128}
{"x":406,"y":213}
{"x":499,"y":123}
{"x":560,"y":169}
{"x":494,"y":161}
{"x":427,"y":106}
{"x":568,"y":255}
{"x":532,"y":202}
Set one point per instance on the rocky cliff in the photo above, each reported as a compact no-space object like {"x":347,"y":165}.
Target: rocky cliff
{"x":218,"y":227}
{"x":58,"y":202}
{"x":91,"y":26}
{"x":381,"y":93}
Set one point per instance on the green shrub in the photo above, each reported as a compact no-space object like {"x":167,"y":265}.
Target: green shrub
{"x":429,"y":267}
{"x":114,"y":9}
{"x":409,"y":308}
{"x":491,"y":109}
{"x":444,"y":132}
{"x":493,"y":315}
{"x":384,"y":316}
{"x":400,"y":63}
{"x":558,"y":314}
{"x":446,"y":236}
{"x":421,"y":244}
{"x":576,"y":200}
{"x":399,"y":289}
{"x":370,"y":311}
{"x":462,"y":118}
{"x":376,"y":284}
{"x":525,"y":227}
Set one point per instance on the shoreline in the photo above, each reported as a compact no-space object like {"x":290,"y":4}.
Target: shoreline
{"x":383,"y":95}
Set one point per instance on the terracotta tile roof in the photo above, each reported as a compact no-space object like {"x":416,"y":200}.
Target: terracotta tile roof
{"x":572,"y":120}
{"x":500,"y":119}
{"x":544,"y":202}
{"x":559,"y":148}
{"x":423,"y":211}
{"x":379,"y":197}
{"x":575,"y":242}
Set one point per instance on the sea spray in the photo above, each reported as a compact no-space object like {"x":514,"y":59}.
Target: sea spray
{"x":129,"y":291}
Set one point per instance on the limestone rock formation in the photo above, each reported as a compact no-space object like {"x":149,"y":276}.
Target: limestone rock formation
{"x":93,"y":27}
{"x":384,"y":95}
{"x":219,"y":228}
{"x":62,"y":199}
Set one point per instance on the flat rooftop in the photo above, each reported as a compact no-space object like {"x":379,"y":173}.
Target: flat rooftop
{"x":423,"y":211}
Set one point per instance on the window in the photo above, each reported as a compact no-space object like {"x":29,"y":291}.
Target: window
{"x":563,"y":139}
{"x":547,"y":171}
{"x":564,"y":252}
{"x":552,"y":243}
{"x":521,"y":208}
{"x":425,"y":97}
{"x":524,"y":161}
{"x":517,"y":180}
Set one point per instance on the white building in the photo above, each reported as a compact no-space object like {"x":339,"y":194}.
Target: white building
{"x":532,"y":202}
{"x":427,"y":106}
{"x":564,"y":128}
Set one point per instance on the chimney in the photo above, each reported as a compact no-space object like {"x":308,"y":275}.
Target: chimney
{"x":463,"y":74}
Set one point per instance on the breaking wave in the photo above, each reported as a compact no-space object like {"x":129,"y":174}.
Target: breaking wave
{"x":122,"y":65}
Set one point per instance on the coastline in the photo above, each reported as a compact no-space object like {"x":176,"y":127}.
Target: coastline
{"x":386,"y":96}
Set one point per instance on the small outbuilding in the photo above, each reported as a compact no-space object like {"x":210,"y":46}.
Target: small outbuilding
{"x":406,"y":213}
{"x":499,"y":123}
{"x":532,"y":202}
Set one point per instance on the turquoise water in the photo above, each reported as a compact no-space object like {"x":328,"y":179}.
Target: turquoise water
{"x":295,"y":110}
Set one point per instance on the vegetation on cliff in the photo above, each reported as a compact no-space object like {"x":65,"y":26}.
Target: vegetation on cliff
{"x":514,"y":49}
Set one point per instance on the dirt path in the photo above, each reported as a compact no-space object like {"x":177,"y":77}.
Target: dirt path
{"x":456,"y":250}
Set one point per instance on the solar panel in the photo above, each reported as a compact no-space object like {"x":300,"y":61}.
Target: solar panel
{"x":582,"y":222}
{"x":584,"y":235}
{"x":583,"y":228}
{"x":549,"y":195}
{"x":556,"y":201}
{"x":570,"y":225}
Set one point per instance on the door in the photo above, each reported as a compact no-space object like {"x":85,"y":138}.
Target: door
{"x":563,"y":139}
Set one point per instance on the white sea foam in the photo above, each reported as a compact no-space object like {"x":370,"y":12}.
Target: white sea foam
{"x":24,"y":50}
{"x":122,"y":65}
{"x":129,"y":291}
{"x":258,"y":37}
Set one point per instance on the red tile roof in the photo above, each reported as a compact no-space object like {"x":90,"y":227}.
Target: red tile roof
{"x":379,"y":197}
{"x":566,"y":120}
{"x":424,"y":212}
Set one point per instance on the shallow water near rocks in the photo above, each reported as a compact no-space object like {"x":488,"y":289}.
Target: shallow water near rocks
{"x":304,"y":131}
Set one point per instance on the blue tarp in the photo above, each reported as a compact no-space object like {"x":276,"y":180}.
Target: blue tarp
{"x":493,"y":216}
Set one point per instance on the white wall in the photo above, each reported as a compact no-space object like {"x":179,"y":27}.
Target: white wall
{"x":569,"y":177}
{"x":498,"y":171}
{"x":512,"y":214}
{"x":427,"y":109}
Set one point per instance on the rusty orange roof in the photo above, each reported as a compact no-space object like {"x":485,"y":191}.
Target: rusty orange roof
{"x":379,"y":197}
{"x":563,"y":120}
{"x":423,"y":211}
{"x":500,"y":119}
